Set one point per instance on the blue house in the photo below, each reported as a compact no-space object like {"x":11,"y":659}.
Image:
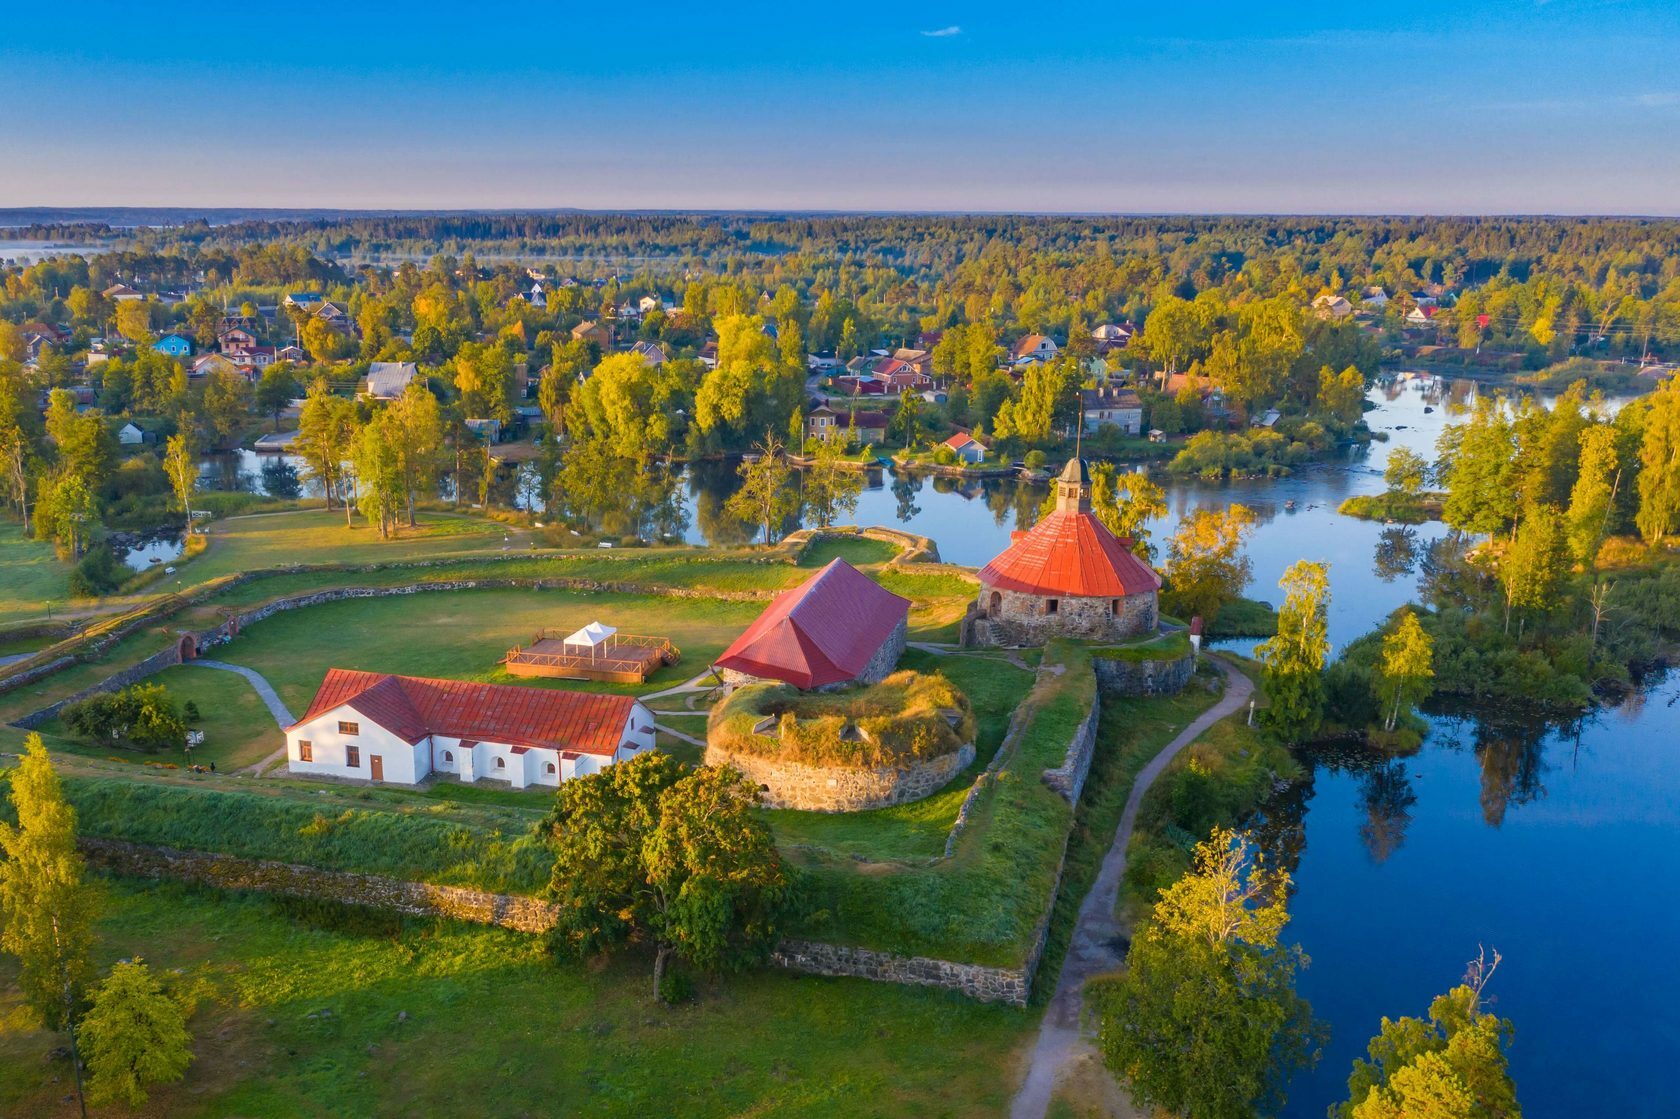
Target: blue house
{"x":175,"y":345}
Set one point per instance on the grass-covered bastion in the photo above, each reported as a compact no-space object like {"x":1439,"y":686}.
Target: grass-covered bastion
{"x":867,"y":746}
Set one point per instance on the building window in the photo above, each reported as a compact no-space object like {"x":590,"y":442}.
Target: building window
{"x":448,"y":757}
{"x":1050,"y":605}
{"x":1114,"y":607}
{"x":551,"y":767}
{"x":501,"y":763}
{"x":349,"y":728}
{"x":306,"y":750}
{"x":353,"y":757}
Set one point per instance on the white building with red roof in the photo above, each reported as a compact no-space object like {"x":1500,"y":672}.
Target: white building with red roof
{"x":374,"y":726}
{"x":1068,"y":576}
{"x":837,"y":627}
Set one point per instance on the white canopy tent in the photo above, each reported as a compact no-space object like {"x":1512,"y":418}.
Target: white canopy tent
{"x":591,"y":637}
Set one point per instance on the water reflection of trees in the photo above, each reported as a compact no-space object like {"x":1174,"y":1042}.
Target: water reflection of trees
{"x":905,"y":487}
{"x":1446,"y":576}
{"x":1509,"y":745}
{"x":1278,"y":829}
{"x":1388,"y":797}
{"x":1396,"y":554}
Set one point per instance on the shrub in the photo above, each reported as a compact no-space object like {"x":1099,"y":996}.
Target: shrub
{"x":142,"y":716}
{"x":98,"y":574}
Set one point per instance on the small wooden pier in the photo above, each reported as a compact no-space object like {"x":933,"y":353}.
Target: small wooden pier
{"x":622,"y":658}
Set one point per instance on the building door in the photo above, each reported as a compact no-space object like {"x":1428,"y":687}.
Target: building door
{"x":376,"y":766}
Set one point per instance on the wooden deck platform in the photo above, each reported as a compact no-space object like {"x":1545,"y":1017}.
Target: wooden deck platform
{"x":621,"y":659}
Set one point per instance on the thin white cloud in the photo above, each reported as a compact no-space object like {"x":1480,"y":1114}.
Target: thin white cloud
{"x":1657,"y":100}
{"x":943,"y":32}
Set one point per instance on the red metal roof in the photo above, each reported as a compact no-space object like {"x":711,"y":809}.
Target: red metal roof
{"x":822,"y":632}
{"x":411,"y":707}
{"x":1070,"y":553}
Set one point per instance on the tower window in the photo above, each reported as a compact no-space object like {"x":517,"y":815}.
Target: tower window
{"x":1050,"y":605}
{"x":1114,"y":607}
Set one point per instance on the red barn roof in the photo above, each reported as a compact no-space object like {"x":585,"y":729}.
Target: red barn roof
{"x":412,"y":707}
{"x":824,"y":631}
{"x":1070,"y":552}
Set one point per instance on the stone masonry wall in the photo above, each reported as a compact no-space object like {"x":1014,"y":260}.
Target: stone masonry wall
{"x":1144,"y":678}
{"x":521,"y":914}
{"x":116,"y":682}
{"x":1069,"y":777}
{"x":987,"y":984}
{"x":815,"y":788}
{"x":228,"y":872}
{"x":1021,"y":619}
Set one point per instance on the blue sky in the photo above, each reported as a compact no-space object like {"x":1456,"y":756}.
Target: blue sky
{"x":1490,"y":106}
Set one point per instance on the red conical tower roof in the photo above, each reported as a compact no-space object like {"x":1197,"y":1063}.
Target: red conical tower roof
{"x":1071,"y":552}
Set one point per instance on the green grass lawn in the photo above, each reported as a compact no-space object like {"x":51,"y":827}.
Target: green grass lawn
{"x":462,"y":635}
{"x":238,"y":728}
{"x":31,"y":575}
{"x":318,"y":536}
{"x":447,"y":1020}
{"x":855,"y":550}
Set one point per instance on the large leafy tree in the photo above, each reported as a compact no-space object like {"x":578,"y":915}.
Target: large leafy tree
{"x":180,"y":463}
{"x":1479,"y":468}
{"x":1206,"y":567}
{"x":630,"y":403}
{"x":1659,"y":457}
{"x":765,"y":498}
{"x":1536,"y":563}
{"x":832,"y":486}
{"x":1451,"y":1065}
{"x":650,"y":851}
{"x":327,"y":427}
{"x":136,"y":1036}
{"x":1293,"y":658}
{"x":1205,"y":1021}
{"x":1592,"y":501}
{"x":1406,"y":669}
{"x":47,"y":908}
{"x":751,"y":390}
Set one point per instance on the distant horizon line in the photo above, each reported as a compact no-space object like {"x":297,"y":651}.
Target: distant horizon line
{"x":87,"y":213}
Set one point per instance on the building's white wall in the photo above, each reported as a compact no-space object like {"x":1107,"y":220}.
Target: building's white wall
{"x":409,"y":764}
{"x":403,"y":763}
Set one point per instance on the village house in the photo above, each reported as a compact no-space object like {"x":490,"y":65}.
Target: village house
{"x":251,"y":360}
{"x":1421,"y":315}
{"x":235,"y":338}
{"x":290,"y":353}
{"x":837,"y":627}
{"x":373,"y":726}
{"x":1332,"y":307}
{"x":175,"y":345}
{"x":211,"y":363}
{"x":591,"y":331}
{"x":537,"y":297}
{"x":121,"y":293}
{"x":918,"y":360}
{"x":968,"y":449}
{"x":1034,"y":347}
{"x":130,"y":436}
{"x":1068,"y":576}
{"x":708,"y":355}
{"x":1113,"y":406}
{"x":387,"y":380}
{"x":651,"y":352}
{"x":1375,"y":298}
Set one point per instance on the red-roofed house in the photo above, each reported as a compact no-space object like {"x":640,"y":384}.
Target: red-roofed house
{"x":373,"y":726}
{"x":837,"y":627}
{"x":1069,"y":576}
{"x":967,"y":448}
{"x":1034,"y":347}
